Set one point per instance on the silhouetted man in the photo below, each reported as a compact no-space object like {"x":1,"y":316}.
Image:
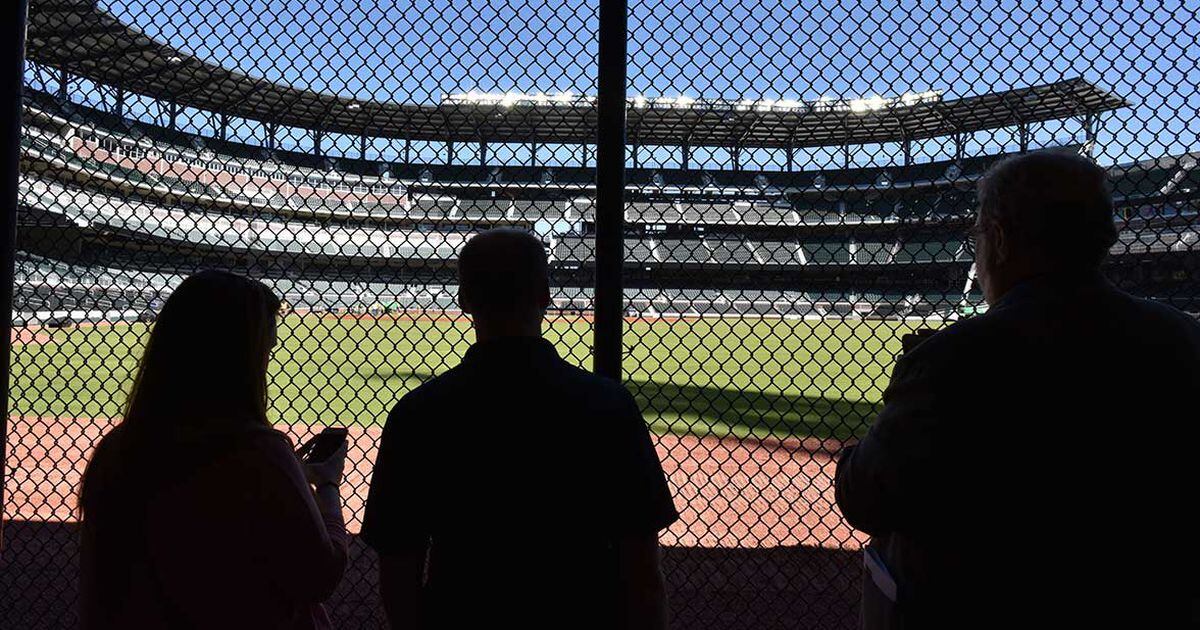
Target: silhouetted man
{"x":1027,"y":469}
{"x":517,"y":490}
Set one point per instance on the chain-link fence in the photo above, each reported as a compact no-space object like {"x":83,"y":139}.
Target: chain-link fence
{"x":799,"y":180}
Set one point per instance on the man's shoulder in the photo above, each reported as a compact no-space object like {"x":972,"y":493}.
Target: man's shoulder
{"x":1169,"y":334}
{"x":962,"y":338}
{"x":557,"y":378}
{"x":432,"y":392}
{"x":1176,"y":320}
{"x":592,"y":391}
{"x":1001,"y":330}
{"x":590,"y":380}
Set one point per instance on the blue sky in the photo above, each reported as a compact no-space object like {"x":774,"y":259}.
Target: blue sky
{"x":418,"y":51}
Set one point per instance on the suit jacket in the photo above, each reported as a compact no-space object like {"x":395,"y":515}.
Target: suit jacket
{"x":1036,"y":464}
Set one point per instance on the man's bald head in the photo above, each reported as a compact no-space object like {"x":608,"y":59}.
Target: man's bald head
{"x":503,"y":274}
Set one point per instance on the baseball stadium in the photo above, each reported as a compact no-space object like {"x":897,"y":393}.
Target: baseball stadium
{"x":775,"y":251}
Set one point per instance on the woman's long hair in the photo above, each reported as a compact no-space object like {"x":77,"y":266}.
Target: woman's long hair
{"x":203,"y":374}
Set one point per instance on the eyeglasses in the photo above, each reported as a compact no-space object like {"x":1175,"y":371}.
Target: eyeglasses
{"x":970,"y":240}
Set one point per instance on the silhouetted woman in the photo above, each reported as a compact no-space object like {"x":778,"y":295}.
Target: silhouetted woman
{"x":196,"y":513}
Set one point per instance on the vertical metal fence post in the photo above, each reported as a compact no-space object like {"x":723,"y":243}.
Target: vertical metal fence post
{"x":10,"y":114}
{"x":610,"y":188}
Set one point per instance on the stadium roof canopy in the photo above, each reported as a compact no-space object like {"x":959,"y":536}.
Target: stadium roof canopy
{"x":85,"y":40}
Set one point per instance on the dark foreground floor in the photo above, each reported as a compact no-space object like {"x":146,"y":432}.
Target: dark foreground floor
{"x":710,"y":589}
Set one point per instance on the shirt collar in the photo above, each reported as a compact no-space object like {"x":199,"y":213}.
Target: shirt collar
{"x":509,"y":346}
{"x":1049,"y":285}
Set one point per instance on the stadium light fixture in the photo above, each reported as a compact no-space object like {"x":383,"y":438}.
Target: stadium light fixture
{"x":824,"y":104}
{"x":868,"y":104}
{"x":511,"y":99}
{"x":771,"y":105}
{"x":916,"y":98}
{"x":671,"y":102}
{"x":755,"y":105}
{"x":683,"y":101}
{"x":908,"y":99}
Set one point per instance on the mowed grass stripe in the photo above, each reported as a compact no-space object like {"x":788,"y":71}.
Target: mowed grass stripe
{"x":739,"y":377}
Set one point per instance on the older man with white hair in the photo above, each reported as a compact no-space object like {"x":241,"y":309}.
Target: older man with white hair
{"x":1028,"y":468}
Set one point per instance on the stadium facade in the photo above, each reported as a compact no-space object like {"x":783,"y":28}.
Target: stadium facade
{"x":103,"y":196}
{"x":107,"y":200}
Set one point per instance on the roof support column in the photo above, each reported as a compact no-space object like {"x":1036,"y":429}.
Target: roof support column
{"x":362,"y":147}
{"x":791,"y":157}
{"x":1023,"y":137}
{"x":1089,"y":134}
{"x":172,"y":114}
{"x":270,"y":129}
{"x":64,"y":83}
{"x":482,"y":153}
{"x":686,"y":161}
{"x":533,"y":149}
{"x":845,"y":156}
{"x":407,"y":151}
{"x":959,"y":149}
{"x":119,"y":102}
{"x":907,"y":145}
{"x":317,"y":136}
{"x":610,"y":187}
{"x":449,"y":152}
{"x":737,"y":158}
{"x":637,"y":160}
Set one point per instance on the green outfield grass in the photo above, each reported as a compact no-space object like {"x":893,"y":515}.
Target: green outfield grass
{"x":752,"y":377}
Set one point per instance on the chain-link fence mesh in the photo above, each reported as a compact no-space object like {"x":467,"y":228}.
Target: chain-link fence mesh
{"x":800,"y":179}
